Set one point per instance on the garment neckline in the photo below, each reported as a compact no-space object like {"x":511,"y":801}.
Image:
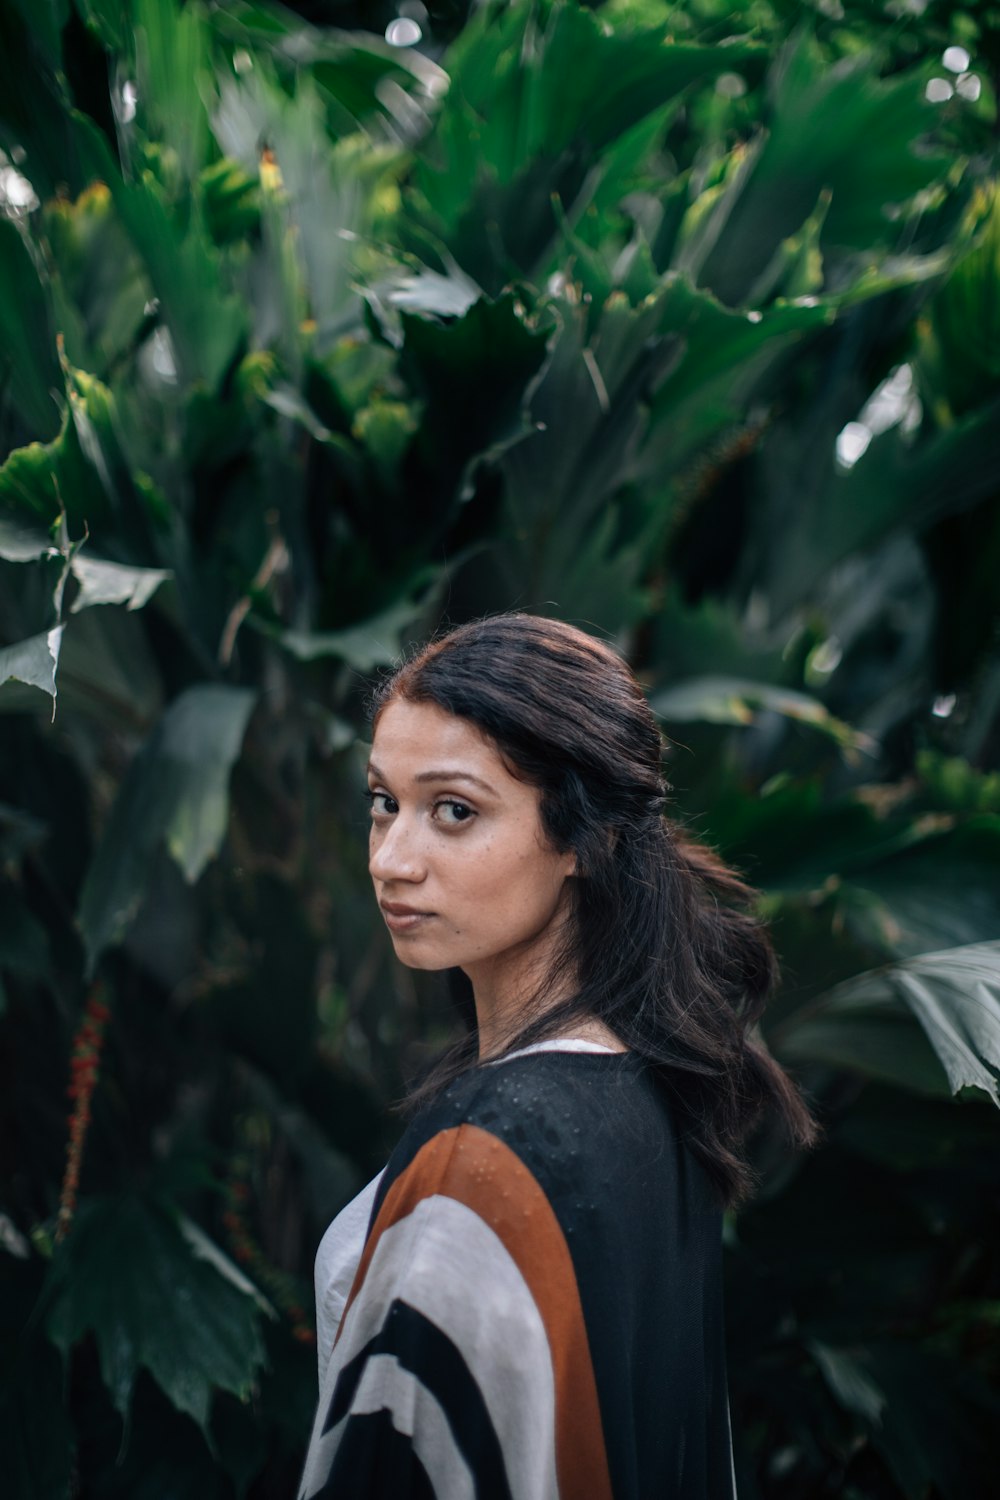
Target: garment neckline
{"x":559,"y":1044}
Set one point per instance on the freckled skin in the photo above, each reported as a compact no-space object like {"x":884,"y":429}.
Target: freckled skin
{"x":475,"y":856}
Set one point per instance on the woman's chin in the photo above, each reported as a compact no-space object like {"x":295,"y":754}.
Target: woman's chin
{"x":409,"y":954}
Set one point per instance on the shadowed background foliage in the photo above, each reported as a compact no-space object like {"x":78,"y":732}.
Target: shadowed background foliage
{"x":678,"y":322}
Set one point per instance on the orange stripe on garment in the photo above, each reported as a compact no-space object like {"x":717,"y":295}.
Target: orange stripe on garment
{"x":474,"y":1167}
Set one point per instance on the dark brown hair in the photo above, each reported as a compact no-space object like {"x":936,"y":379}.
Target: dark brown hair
{"x":661,"y":936}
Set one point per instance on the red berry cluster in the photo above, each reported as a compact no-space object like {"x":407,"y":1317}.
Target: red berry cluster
{"x":85,"y":1059}
{"x":279,"y":1286}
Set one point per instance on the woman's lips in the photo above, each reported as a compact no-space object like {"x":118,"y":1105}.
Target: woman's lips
{"x":403,"y":918}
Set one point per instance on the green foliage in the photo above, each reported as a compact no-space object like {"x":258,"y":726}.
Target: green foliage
{"x":675,"y":322}
{"x":125,"y":1265}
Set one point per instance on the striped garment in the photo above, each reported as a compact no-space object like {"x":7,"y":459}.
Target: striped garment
{"x":536,"y":1314}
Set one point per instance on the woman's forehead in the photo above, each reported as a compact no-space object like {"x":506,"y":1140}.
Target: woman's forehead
{"x":421,"y":737}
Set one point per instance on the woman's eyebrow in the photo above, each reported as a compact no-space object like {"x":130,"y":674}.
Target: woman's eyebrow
{"x":452,"y":773}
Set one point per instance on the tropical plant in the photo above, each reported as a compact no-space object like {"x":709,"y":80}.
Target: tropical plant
{"x":678,"y":323}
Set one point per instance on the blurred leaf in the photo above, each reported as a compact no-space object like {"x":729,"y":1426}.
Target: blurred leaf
{"x":127,"y":1274}
{"x":171,"y":51}
{"x":471,"y":372}
{"x":35,"y":1424}
{"x":842,"y":129}
{"x":958,"y":360}
{"x":936,"y":1423}
{"x":83,"y":477}
{"x":535,"y":96}
{"x":175,"y":791}
{"x":22,"y":540}
{"x":375,"y":643}
{"x":585,"y":424}
{"x":108,"y":672}
{"x":426,"y":291}
{"x":103,"y":582}
{"x":950,"y":782}
{"x":732,"y":700}
{"x":888,"y":1048}
{"x":206,"y":1249}
{"x":385,"y":430}
{"x":24,"y":942}
{"x":816,"y":515}
{"x":943,"y":891}
{"x":954,"y":994}
{"x":106,"y":18}
{"x":30,"y":368}
{"x":33,"y":662}
{"x":206,"y":323}
{"x":46,"y":19}
{"x":96,"y":279}
{"x":726,"y":357}
{"x":849,"y":1381}
{"x":290,"y":403}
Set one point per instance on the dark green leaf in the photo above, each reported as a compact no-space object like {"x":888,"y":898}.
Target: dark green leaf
{"x":127,"y":1274}
{"x":842,"y":129}
{"x":730,"y":700}
{"x":206,"y":323}
{"x":175,"y":791}
{"x":954,"y":994}
{"x":849,"y":1381}
{"x":27,"y":339}
{"x":375,"y":643}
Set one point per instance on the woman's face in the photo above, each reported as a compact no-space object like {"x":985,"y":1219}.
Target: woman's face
{"x":462,"y":869}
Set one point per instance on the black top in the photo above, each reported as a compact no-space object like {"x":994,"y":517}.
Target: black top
{"x":538,"y":1310}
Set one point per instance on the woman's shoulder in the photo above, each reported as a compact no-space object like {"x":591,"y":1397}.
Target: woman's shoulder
{"x":563,"y":1119}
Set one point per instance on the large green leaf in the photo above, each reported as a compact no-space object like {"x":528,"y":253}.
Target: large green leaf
{"x":174,"y":793}
{"x":129,"y":1275}
{"x":954,"y":994}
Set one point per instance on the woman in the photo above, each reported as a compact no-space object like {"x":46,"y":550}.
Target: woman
{"x":527,"y":1302}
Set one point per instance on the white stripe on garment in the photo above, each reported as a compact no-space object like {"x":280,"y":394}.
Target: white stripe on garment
{"x":337,"y":1260}
{"x":449,"y":1265}
{"x":386,"y":1386}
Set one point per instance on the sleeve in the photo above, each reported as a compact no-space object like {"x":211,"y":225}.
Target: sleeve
{"x":462,"y":1366}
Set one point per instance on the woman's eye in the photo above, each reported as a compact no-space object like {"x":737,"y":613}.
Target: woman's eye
{"x":381,"y":803}
{"x":454,"y":813}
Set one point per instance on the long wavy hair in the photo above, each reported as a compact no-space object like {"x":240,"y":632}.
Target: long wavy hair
{"x":661,"y":935}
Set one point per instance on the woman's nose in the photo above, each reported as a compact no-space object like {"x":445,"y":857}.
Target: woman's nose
{"x":395,"y":852}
